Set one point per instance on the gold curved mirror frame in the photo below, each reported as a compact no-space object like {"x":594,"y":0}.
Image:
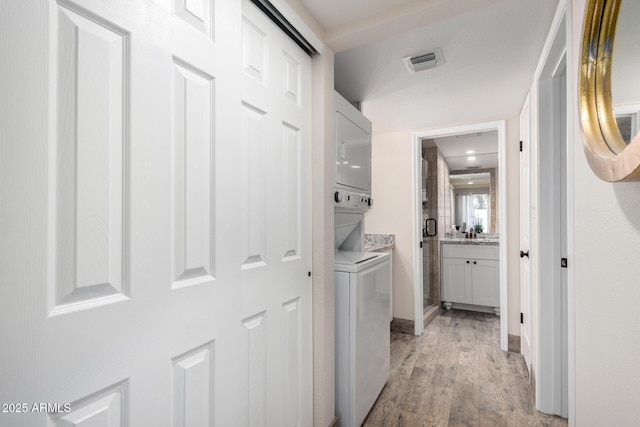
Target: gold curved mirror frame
{"x":609,"y":156}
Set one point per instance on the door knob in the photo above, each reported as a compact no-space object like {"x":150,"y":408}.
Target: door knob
{"x":524,"y":254}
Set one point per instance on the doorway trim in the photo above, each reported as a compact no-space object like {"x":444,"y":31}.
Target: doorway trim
{"x":550,"y":338}
{"x":417,"y":137}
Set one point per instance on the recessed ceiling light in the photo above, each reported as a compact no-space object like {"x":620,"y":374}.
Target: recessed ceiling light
{"x":471,"y":158}
{"x":471,"y":152}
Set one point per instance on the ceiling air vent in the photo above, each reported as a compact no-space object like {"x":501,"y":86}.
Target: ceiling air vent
{"x":423,"y":62}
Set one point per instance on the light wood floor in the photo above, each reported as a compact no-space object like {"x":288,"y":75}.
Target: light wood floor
{"x":456,"y":375}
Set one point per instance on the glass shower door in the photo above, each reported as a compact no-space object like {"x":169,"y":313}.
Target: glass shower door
{"x":427,"y":230}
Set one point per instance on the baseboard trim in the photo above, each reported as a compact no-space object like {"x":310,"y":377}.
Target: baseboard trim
{"x":514,"y":343}
{"x":430,"y":316}
{"x":403,"y":326}
{"x":532,"y":384}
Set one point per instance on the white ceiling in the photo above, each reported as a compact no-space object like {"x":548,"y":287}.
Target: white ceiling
{"x":490,"y":49}
{"x":334,"y":13}
{"x":454,"y":150}
{"x":354,"y":23}
{"x":478,"y":179}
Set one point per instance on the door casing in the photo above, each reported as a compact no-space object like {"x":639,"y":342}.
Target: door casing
{"x":417,"y":137}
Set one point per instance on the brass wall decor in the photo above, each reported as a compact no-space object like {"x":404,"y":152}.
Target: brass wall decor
{"x":610,"y":158}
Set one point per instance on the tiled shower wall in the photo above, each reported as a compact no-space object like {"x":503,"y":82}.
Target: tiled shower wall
{"x":495,"y":197}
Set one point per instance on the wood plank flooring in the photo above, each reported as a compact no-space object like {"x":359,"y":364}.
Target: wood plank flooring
{"x":456,"y":375}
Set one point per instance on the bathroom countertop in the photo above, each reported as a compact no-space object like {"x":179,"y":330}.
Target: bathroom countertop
{"x":379,"y":242}
{"x":463,"y":241}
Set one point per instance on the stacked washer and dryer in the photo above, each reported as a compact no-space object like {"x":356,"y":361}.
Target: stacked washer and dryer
{"x":362,"y":279}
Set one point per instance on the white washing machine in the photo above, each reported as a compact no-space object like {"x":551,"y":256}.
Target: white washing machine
{"x":362,"y":296}
{"x":362,"y":280}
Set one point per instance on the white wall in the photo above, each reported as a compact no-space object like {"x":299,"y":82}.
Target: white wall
{"x":607,"y":286}
{"x":392,"y":213}
{"x":323,"y":164}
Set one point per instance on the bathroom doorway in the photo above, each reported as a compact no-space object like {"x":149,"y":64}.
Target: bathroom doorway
{"x":435,"y":211}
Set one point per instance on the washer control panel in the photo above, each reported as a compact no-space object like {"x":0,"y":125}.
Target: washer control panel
{"x":352,"y":200}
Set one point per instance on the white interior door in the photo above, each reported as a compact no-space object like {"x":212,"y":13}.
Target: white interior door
{"x":275,"y":225}
{"x":125,"y":258}
{"x":564,"y":304}
{"x":525,"y":233}
{"x":118,"y":296}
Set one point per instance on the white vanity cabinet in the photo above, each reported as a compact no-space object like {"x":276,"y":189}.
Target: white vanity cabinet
{"x":471,"y":276}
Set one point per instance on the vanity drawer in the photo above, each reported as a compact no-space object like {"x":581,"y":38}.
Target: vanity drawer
{"x":470,"y":251}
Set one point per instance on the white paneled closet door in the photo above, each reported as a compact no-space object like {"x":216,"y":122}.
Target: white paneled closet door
{"x":154,"y":216}
{"x":275,"y":226}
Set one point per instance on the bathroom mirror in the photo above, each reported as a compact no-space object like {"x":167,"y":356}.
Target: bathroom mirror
{"x":471,"y":200}
{"x":610,"y":89}
{"x":625,"y":85}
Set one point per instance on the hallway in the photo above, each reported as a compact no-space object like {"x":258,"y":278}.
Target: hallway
{"x":456,"y":375}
